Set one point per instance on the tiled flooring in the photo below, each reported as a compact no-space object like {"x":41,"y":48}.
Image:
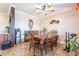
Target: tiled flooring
{"x":23,"y":50}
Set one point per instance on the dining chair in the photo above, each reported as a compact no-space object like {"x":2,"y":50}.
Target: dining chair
{"x":34,"y":42}
{"x":31,"y":41}
{"x":44,"y":42}
{"x":54,"y":37}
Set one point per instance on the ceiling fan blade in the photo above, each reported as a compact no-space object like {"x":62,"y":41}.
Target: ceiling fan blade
{"x":52,"y":10}
{"x":38,"y":8}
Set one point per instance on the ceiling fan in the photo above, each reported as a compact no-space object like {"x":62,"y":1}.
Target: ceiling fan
{"x":44,"y":8}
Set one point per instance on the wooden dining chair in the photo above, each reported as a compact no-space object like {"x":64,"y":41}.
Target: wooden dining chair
{"x":35,"y":45}
{"x":34,"y":42}
{"x":43,"y":42}
{"x":31,"y":42}
{"x":48,"y":43}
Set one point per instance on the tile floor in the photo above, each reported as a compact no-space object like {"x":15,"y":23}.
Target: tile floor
{"x":23,"y":50}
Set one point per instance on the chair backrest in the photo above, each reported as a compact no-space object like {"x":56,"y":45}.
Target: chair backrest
{"x":53,"y":34}
{"x":43,"y":36}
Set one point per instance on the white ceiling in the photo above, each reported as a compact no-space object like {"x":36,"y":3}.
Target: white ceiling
{"x":30,"y":7}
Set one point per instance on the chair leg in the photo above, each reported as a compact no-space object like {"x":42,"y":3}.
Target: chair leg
{"x":46,"y":50}
{"x":51,"y":46}
{"x":41,"y":50}
{"x":29,"y":48}
{"x":34,"y":51}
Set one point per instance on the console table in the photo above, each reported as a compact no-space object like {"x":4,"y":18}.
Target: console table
{"x":6,"y":43}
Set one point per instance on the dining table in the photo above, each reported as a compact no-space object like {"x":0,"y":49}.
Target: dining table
{"x":42,"y":41}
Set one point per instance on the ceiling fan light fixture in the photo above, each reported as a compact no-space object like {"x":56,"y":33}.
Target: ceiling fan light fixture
{"x":45,"y":9}
{"x":50,"y":8}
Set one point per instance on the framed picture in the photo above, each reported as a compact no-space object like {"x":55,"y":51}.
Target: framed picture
{"x":30,"y":24}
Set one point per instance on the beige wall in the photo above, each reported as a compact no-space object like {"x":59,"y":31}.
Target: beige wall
{"x":21,"y":21}
{"x":3,"y":22}
{"x":69,"y":22}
